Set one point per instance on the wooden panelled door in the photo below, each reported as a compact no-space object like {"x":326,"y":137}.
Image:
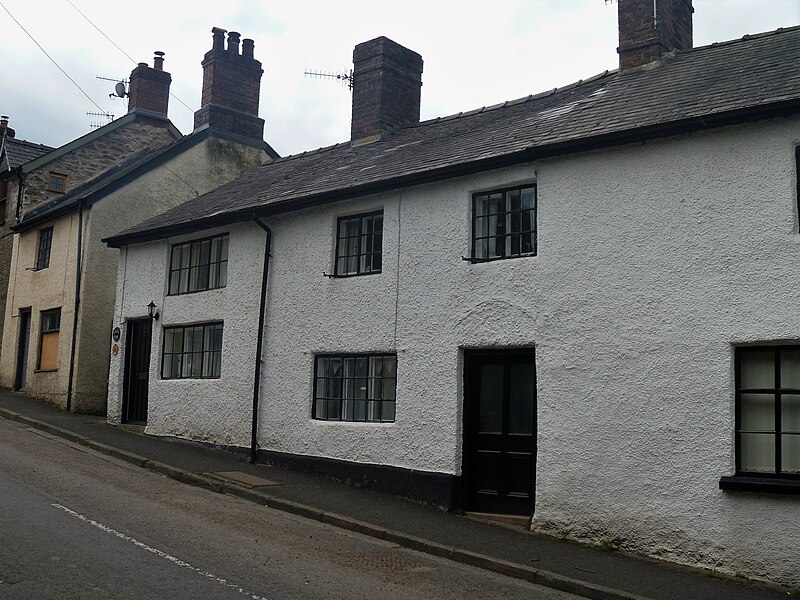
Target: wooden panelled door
{"x":499,"y":460}
{"x":137,"y":371}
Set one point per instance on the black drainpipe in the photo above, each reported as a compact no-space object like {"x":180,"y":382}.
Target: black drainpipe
{"x":259,"y":342}
{"x":77,"y":306}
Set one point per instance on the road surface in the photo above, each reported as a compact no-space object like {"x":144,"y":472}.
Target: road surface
{"x":78,"y":524}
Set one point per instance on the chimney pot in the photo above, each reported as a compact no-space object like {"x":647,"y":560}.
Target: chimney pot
{"x":247,"y":47}
{"x":4,"y":128}
{"x":231,"y":88}
{"x":149,"y":87}
{"x":218,"y":37}
{"x":233,"y":42}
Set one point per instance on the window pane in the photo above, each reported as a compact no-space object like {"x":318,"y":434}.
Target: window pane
{"x":790,"y":453}
{"x":514,"y":200}
{"x":183,"y":286}
{"x":757,"y":369}
{"x":528,"y":198}
{"x":757,"y":452}
{"x":223,"y":274}
{"x":790,"y":413}
{"x":757,"y":412}
{"x":176,"y":258}
{"x":790,"y":369}
{"x":521,"y":401}
{"x":387,"y":412}
{"x":186,"y":250}
{"x":174,"y":282}
{"x":320,"y":409}
{"x":491,"y":399}
{"x":224,"y":249}
{"x":481,"y":205}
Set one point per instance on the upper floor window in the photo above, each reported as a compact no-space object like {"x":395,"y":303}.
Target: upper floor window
{"x":356,"y":387}
{"x":359,"y":244}
{"x":48,"y":340}
{"x":199,"y":265}
{"x":504,"y":223}
{"x":768,"y":411}
{"x":193,"y":351}
{"x":45,"y":244}
{"x":56,"y":182}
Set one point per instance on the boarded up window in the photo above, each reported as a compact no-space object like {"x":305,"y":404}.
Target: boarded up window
{"x":48,"y":344}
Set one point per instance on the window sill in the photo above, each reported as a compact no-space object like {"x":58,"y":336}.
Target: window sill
{"x":45,"y":370}
{"x":769,"y":485}
{"x":348,"y":275}
{"x":477,"y":261}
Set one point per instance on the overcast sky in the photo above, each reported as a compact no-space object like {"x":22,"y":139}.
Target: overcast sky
{"x":506,"y":49}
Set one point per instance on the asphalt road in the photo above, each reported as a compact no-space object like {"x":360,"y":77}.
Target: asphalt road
{"x":78,"y":524}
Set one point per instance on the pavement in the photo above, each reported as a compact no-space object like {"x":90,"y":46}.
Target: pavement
{"x":588,"y":571}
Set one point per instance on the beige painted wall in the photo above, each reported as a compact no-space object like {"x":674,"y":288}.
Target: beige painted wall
{"x":203,"y":167}
{"x":42,"y":290}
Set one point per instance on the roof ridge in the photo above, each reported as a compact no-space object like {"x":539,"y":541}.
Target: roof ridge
{"x":745,"y":38}
{"x":305,"y":153}
{"x":522,"y":100}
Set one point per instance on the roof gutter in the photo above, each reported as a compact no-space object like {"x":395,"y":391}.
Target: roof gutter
{"x":649,"y":132}
{"x":260,"y":340}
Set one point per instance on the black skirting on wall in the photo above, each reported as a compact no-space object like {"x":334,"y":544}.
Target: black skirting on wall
{"x":437,"y":489}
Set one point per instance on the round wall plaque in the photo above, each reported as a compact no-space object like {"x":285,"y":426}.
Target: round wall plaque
{"x":116,"y":334}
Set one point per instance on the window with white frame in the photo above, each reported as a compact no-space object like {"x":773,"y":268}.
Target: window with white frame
{"x":355,"y":387}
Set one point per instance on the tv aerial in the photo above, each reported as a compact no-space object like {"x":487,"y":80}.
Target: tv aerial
{"x":120,"y":89}
{"x":346,"y":77}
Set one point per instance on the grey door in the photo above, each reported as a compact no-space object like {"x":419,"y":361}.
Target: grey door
{"x":23,"y":343}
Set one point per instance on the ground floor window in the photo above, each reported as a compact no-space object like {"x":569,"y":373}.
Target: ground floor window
{"x":355,"y":387}
{"x":192,"y":351}
{"x":48,"y":341}
{"x":768,"y":410}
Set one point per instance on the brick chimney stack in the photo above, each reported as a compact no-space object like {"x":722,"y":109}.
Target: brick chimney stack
{"x":5,"y":130}
{"x":648,"y":29}
{"x":387,"y":82}
{"x":231,"y":87}
{"x":149,"y":87}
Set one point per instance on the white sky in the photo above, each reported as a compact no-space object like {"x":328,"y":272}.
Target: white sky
{"x":473,"y":57}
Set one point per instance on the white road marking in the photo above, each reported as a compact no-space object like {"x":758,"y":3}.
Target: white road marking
{"x":159,"y":553}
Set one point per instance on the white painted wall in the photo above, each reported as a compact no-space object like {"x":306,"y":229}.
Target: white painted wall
{"x":654,"y":261}
{"x":213,"y":410}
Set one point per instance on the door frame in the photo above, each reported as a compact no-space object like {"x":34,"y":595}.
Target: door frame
{"x":127,"y":364}
{"x":23,"y":349}
{"x":472,"y":357}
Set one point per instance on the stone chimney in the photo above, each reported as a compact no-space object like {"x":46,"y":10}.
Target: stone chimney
{"x":387,"y":82}
{"x":231,"y":87}
{"x":149,"y":87}
{"x":5,"y":130}
{"x":648,"y":29}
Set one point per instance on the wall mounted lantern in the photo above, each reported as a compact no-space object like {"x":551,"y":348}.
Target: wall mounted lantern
{"x":151,"y":311}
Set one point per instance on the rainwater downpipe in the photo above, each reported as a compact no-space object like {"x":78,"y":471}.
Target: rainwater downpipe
{"x":77,"y":307}
{"x":260,"y":340}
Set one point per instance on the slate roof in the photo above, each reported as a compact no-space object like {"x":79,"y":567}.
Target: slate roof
{"x":109,"y":180}
{"x":757,"y":76}
{"x":18,"y":152}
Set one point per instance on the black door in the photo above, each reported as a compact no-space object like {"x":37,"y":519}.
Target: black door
{"x":23,"y":343}
{"x":137,"y":371}
{"x":499,"y":462}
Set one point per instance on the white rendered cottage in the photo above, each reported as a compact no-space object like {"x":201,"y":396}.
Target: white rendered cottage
{"x":578,"y":306}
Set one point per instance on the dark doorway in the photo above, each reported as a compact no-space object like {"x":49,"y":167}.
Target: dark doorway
{"x":23,"y":343}
{"x":499,"y":461}
{"x":137,"y":371}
